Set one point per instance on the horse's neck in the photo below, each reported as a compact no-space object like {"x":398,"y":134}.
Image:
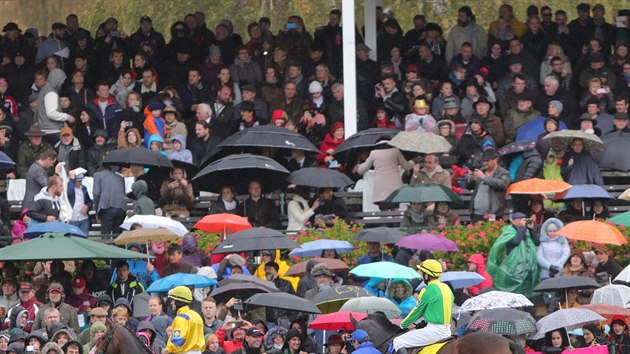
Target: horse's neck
{"x":124,"y":342}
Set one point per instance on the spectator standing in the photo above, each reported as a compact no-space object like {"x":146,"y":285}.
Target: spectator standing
{"x":49,"y":115}
{"x":81,"y":203}
{"x":488,"y":185}
{"x":109,"y":198}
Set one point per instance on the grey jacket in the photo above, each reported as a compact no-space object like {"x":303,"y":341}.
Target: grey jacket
{"x":36,"y":179}
{"x":50,"y":118}
{"x":498,"y":183}
{"x":109,"y":190}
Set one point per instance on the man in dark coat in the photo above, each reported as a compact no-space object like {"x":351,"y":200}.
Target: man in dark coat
{"x":193,"y":92}
{"x":202,"y":143}
{"x":260,"y":211}
{"x":146,"y":34}
{"x":222,"y":122}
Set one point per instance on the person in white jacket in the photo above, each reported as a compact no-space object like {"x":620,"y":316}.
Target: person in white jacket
{"x":298,"y":209}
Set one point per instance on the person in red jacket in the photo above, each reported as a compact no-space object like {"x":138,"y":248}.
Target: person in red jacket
{"x":477,"y":263}
{"x":27,"y":301}
{"x":331,"y":141}
{"x":237,"y":334}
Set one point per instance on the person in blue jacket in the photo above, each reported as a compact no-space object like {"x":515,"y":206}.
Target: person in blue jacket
{"x":376,"y":286}
{"x":360,"y":340}
{"x":144,"y":272}
{"x":400,"y":292}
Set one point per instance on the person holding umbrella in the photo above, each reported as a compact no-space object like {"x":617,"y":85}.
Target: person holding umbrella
{"x":579,"y":166}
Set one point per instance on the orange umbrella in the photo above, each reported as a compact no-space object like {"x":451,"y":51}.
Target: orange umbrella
{"x":607,"y":311}
{"x":593,"y":231}
{"x":538,"y":186}
{"x":223,"y":223}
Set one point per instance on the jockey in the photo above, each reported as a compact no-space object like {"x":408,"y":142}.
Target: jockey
{"x":435,"y":303}
{"x":187,"y":333}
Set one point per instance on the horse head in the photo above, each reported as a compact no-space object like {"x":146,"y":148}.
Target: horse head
{"x":380,"y":329}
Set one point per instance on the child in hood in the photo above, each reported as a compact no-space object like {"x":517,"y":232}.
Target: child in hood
{"x":143,"y":205}
{"x":477,"y":263}
{"x":156,"y":143}
{"x":180,"y":152}
{"x":153,"y":121}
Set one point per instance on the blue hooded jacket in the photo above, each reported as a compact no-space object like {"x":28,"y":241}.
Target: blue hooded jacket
{"x":407,"y":302}
{"x":552,"y":252}
{"x":182,"y":155}
{"x":138,"y":268}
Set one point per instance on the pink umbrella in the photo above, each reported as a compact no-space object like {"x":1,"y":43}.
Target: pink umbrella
{"x":427,"y":241}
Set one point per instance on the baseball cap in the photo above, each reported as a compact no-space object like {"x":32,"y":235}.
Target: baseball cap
{"x":359,"y":335}
{"x":78,"y":282}
{"x":26,"y":287}
{"x":254,"y":332}
{"x":66,"y":131}
{"x":54,"y":287}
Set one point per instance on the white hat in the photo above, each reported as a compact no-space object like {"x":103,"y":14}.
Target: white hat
{"x":315,"y":86}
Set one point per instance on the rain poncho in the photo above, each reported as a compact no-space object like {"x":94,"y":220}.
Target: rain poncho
{"x":284,"y":266}
{"x":515,"y":271}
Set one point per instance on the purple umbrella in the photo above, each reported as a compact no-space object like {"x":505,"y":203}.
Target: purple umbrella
{"x":426,"y":241}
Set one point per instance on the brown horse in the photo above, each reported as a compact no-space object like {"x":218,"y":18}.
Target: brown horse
{"x":382,"y":332}
{"x":119,"y":340}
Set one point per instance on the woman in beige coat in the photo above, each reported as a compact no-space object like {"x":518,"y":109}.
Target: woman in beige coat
{"x":386,"y":161}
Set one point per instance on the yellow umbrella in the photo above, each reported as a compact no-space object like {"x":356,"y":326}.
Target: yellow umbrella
{"x":144,"y":236}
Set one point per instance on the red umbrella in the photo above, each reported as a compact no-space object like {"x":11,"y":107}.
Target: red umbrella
{"x":335,"y":265}
{"x":336,"y":321}
{"x":223,"y":223}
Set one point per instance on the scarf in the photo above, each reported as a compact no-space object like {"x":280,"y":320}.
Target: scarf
{"x":417,"y":218}
{"x":229,"y":205}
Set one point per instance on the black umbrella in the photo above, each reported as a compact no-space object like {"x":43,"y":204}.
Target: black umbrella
{"x":238,"y":290}
{"x":567,"y":282}
{"x":239,"y":170}
{"x":283,"y":301}
{"x":517,"y":147}
{"x":137,"y":156}
{"x":365,"y":139}
{"x":269,"y":136}
{"x":319,"y":178}
{"x":616,"y":157}
{"x":331,"y":299}
{"x":380,"y":234}
{"x":256,"y":239}
{"x":190,"y":169}
{"x":242,"y":278}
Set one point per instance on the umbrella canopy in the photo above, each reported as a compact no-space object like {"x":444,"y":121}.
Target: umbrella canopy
{"x":616,"y":158}
{"x":623,"y":277}
{"x":621,"y":219}
{"x":567,"y":282}
{"x":282,"y":301}
{"x":137,"y":156}
{"x":156,"y":222}
{"x":593,"y":231}
{"x":242,"y":278}
{"x":495,"y":300}
{"x":538,"y":186}
{"x":334,"y":265}
{"x":461,"y":279}
{"x":584,"y":191}
{"x":516,"y":148}
{"x":319,"y":178}
{"x":268,"y":136}
{"x":256,"y":239}
{"x":421,"y":142}
{"x":379,"y":234}
{"x":365,"y":139}
{"x":238,"y":290}
{"x":54,"y":246}
{"x":532,"y":129}
{"x":372,"y":304}
{"x":6,"y":161}
{"x":422,"y":193}
{"x":331,"y":299}
{"x":426,"y":241}
{"x":167,"y":283}
{"x":315,"y":248}
{"x":143,"y":236}
{"x":233,"y":170}
{"x":608,"y":311}
{"x":503,"y":321}
{"x":565,"y":318}
{"x":560,"y":140}
{"x":385,"y":270}
{"x":36,"y":230}
{"x":612,"y":294}
{"x":222,"y":223}
{"x":337,"y":321}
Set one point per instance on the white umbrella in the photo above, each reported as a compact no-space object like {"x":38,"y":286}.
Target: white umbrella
{"x":370,"y":304}
{"x":565,"y":318}
{"x":623,"y":277}
{"x":421,"y":142}
{"x":495,"y":300}
{"x":156,"y":222}
{"x":613,"y":294}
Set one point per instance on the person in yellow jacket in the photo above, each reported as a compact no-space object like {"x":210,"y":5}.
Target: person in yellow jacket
{"x":284,"y":266}
{"x":187,"y":328}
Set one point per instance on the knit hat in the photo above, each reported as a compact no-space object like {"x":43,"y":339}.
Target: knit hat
{"x":291,"y":334}
{"x":314,"y":87}
{"x":335,"y":126}
{"x":156,"y":105}
{"x":559,"y":106}
{"x":279,"y":114}
{"x":97,"y":326}
{"x":215,"y":51}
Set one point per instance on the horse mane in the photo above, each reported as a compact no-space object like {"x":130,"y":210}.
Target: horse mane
{"x":380,"y":329}
{"x":126,"y":332}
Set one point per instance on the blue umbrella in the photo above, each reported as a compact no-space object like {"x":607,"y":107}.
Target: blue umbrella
{"x":5,"y":161}
{"x":315,"y":248}
{"x":54,"y":226}
{"x":167,"y":283}
{"x":458,"y":279}
{"x":584,"y":191}
{"x":532,"y":129}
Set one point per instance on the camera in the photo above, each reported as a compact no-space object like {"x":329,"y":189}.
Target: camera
{"x":291,"y":26}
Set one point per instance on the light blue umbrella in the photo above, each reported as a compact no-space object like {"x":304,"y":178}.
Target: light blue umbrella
{"x":385,"y":270}
{"x":167,"y":283}
{"x":315,"y":248}
{"x":53,"y":226}
{"x":5,"y":161}
{"x":459,"y":279}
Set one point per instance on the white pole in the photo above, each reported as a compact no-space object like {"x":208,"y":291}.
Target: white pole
{"x":349,"y":68}
{"x":369,"y":22}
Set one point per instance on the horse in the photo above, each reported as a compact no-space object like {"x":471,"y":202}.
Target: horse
{"x":120,"y":340}
{"x":382,"y":332}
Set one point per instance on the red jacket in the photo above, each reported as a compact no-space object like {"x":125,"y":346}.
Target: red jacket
{"x":229,"y":346}
{"x":480,"y":261}
{"x":328,"y":143}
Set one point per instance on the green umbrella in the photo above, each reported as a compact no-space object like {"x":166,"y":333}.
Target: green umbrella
{"x":422,"y":193}
{"x":385,"y":270}
{"x":55,"y":246}
{"x":621,"y":219}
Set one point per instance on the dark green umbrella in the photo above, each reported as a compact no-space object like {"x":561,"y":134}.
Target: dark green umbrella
{"x":422,"y":193}
{"x":256,"y":239}
{"x":55,"y":246}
